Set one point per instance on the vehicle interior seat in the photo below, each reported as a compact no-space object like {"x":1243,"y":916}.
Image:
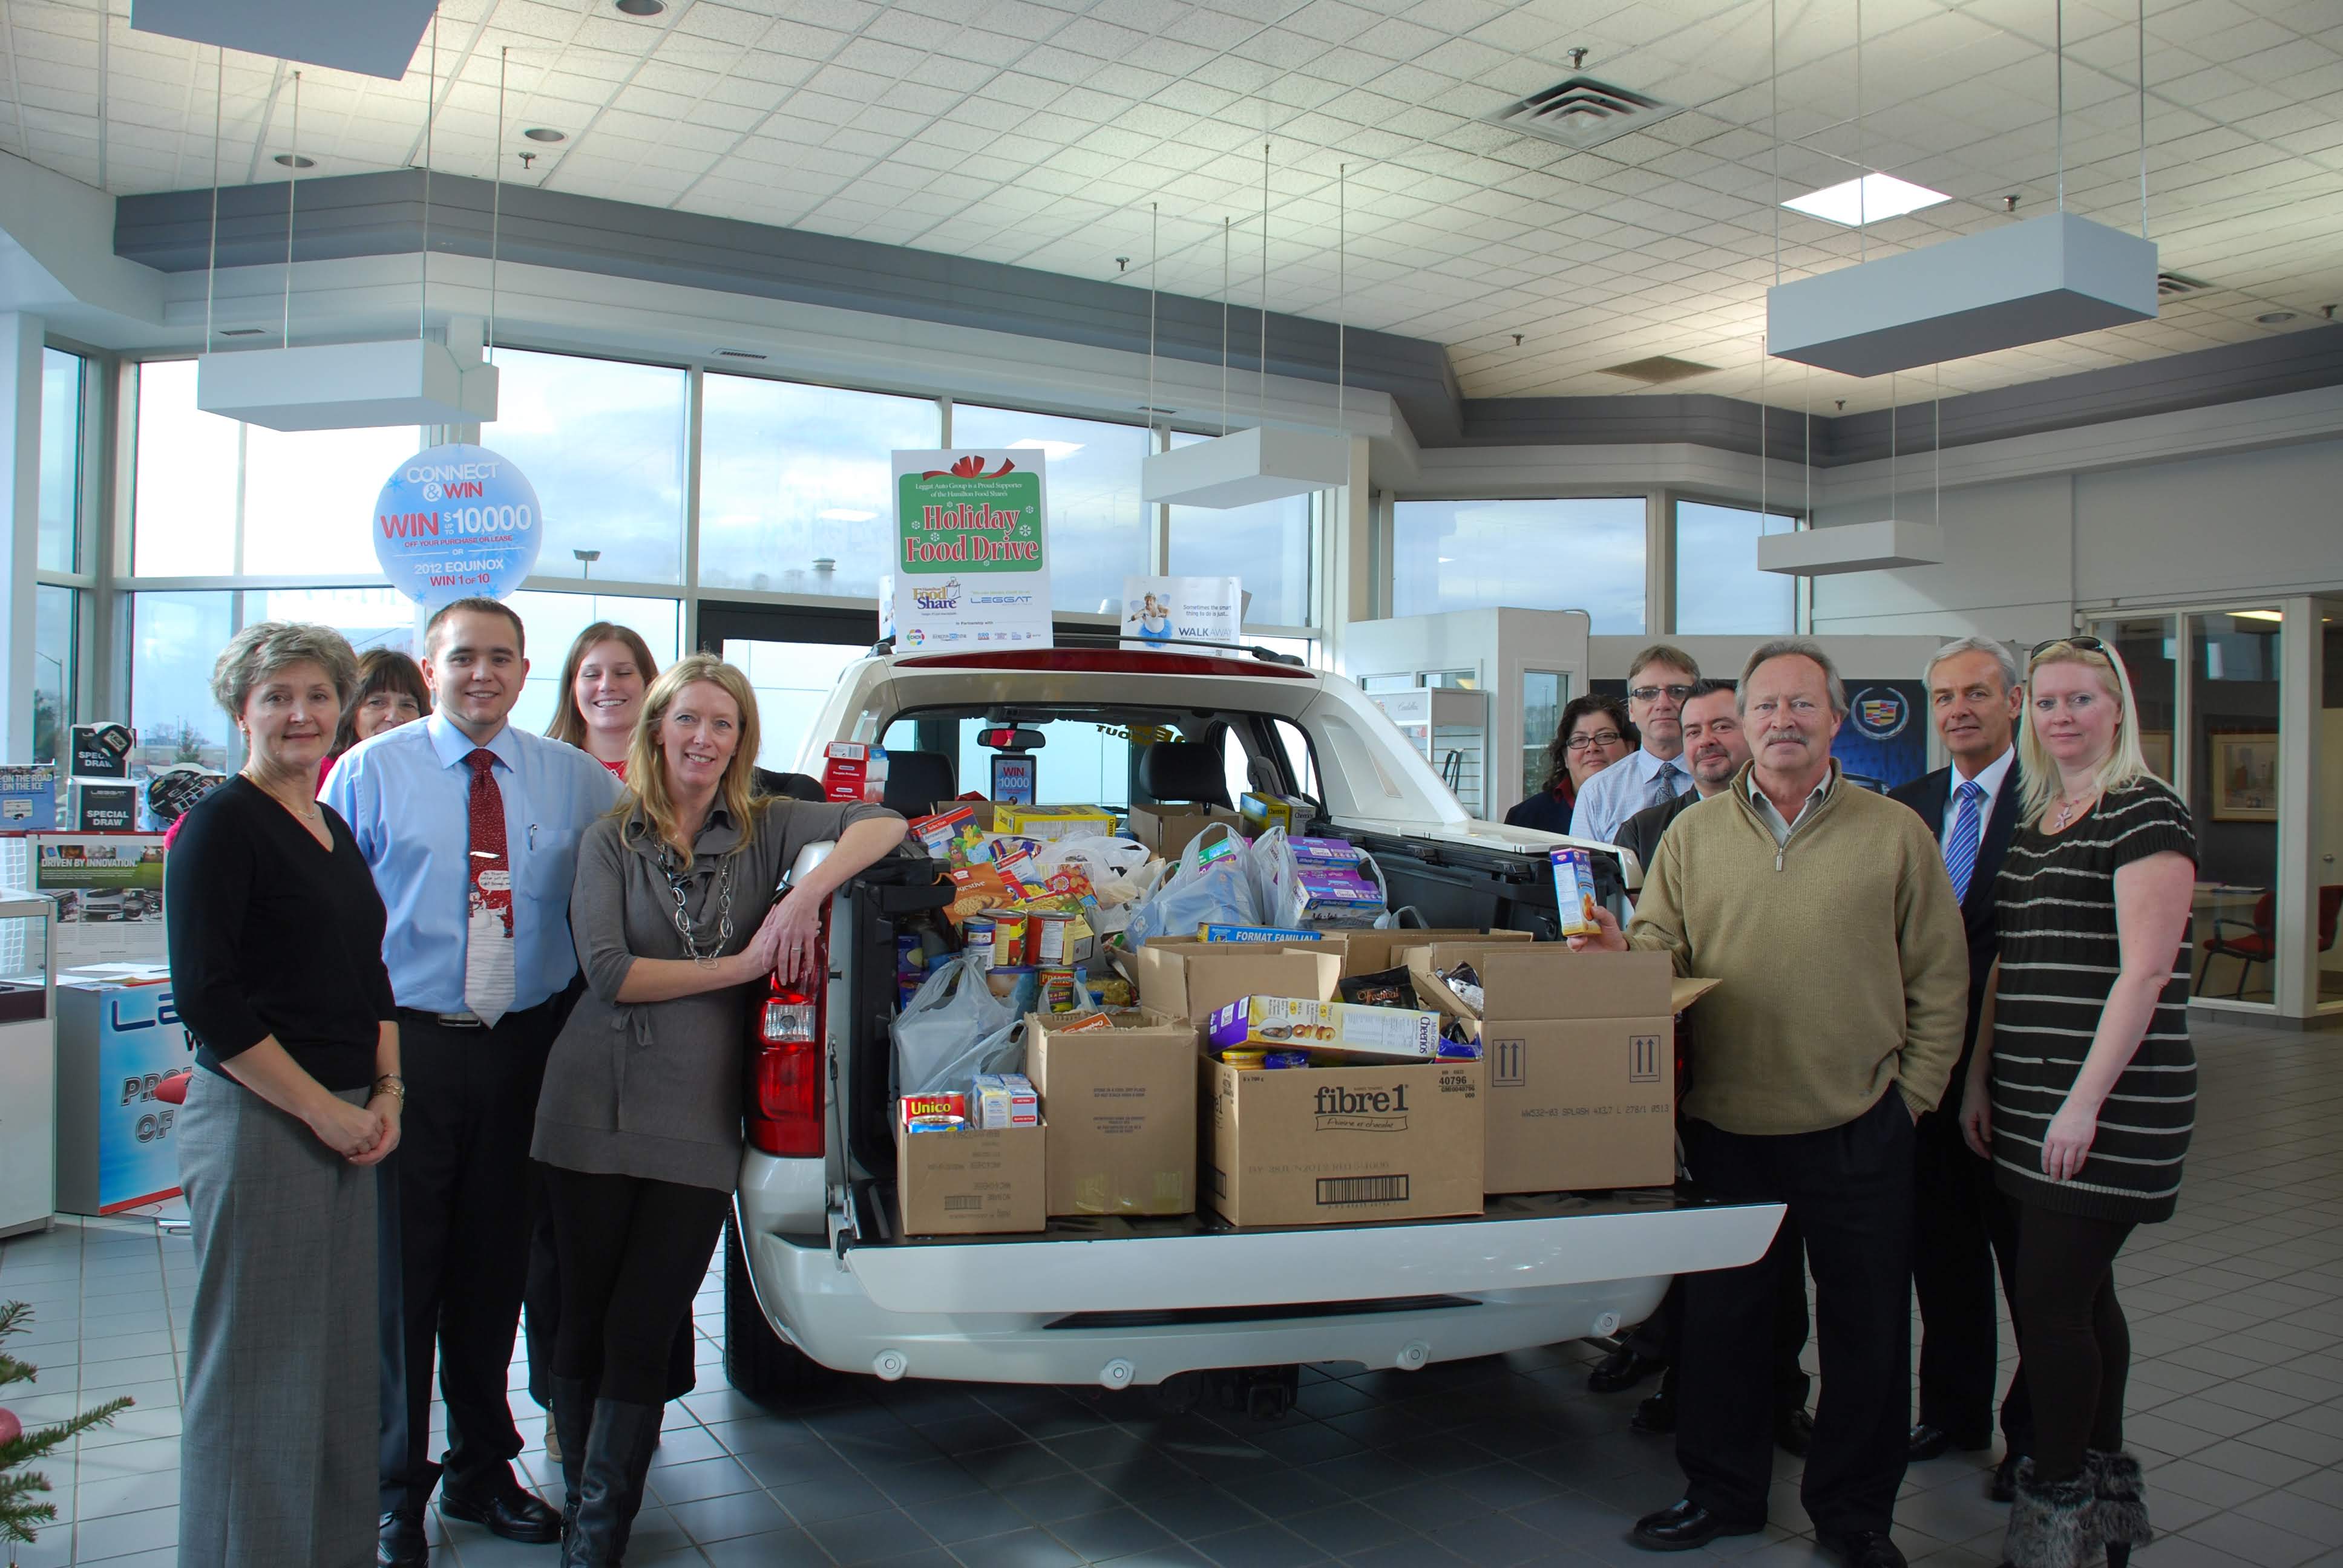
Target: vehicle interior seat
{"x":1184,"y":772}
{"x":917,"y":780}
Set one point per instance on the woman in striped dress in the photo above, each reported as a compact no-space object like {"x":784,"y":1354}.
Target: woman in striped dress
{"x":2086,"y":1102}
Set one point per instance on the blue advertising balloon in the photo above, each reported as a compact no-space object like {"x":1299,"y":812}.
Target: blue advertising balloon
{"x":456,"y":522}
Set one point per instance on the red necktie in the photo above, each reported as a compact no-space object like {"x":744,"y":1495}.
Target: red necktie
{"x":488,"y":927}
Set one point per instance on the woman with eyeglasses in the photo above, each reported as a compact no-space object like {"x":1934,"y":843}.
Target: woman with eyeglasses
{"x":2087,"y":1098}
{"x":1593,"y":734}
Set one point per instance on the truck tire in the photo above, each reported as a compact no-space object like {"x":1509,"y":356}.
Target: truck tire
{"x":756,"y":1361}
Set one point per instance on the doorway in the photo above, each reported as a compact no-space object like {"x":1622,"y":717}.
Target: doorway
{"x":792,"y":656}
{"x":2327,"y":848}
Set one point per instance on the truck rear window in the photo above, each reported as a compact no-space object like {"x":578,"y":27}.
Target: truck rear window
{"x":1092,"y":758}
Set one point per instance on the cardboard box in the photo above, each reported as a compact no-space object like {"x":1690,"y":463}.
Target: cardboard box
{"x":101,"y":805}
{"x":1120,"y":1106}
{"x":854,"y":770}
{"x":1580,"y":1052}
{"x":102,"y":750}
{"x":1050,"y":823}
{"x":970,"y":1182}
{"x":1188,"y":980}
{"x":1368,"y":951}
{"x":1338,"y":1145}
{"x":1291,"y":1024}
{"x":1167,"y":829}
{"x":28,"y":798}
{"x":1260,"y":813}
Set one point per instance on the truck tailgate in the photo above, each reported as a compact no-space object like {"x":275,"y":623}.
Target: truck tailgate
{"x":1521,"y":1243}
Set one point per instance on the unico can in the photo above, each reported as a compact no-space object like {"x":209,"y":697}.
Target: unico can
{"x":1048,"y":936}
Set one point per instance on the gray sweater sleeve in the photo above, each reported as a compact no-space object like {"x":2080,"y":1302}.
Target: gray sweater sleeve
{"x":598,"y":910}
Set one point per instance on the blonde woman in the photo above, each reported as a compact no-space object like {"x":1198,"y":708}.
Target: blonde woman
{"x":677,"y":913}
{"x":2087,"y":1098}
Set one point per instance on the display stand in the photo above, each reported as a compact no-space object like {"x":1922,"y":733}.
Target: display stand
{"x":28,"y":1063}
{"x":118,"y":1035}
{"x":1449,"y":728}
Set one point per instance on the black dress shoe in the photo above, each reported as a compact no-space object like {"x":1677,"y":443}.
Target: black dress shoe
{"x":1793,"y":1431}
{"x":1686,"y":1527}
{"x":1656,"y":1416}
{"x":1622,"y":1369}
{"x":400,"y":1543}
{"x":1862,"y":1549}
{"x":2003,"y":1487}
{"x":501,"y":1507}
{"x":1927,"y":1442}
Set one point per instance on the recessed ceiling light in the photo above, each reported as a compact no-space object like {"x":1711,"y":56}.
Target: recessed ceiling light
{"x":1857,"y":202}
{"x":642,"y":7}
{"x":545,"y":134}
{"x":295,"y":161}
{"x":2275,"y":317}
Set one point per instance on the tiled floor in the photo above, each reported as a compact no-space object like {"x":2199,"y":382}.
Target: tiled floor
{"x":2235,"y":1307}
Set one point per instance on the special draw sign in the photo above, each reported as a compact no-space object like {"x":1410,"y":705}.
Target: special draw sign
{"x":972,"y":549}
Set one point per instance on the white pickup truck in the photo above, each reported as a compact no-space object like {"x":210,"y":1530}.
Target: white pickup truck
{"x":816,"y":1273}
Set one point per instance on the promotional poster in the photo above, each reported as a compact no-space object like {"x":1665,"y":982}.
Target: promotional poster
{"x":109,"y":893}
{"x":456,"y":522}
{"x":1177,"y":610}
{"x":1883,"y":742}
{"x":971,"y":559}
{"x":114,"y":1044}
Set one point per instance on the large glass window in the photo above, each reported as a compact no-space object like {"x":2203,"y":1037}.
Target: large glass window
{"x":553,"y":620}
{"x":793,"y":484}
{"x":1584,"y":554}
{"x":603,"y":444}
{"x":60,"y":504}
{"x":369,"y":616}
{"x":174,"y":639}
{"x":791,"y":680}
{"x":54,"y":613}
{"x":1719,"y":590}
{"x":309,"y":495}
{"x":1265,"y":546}
{"x":184,"y":517}
{"x":1097,"y":525}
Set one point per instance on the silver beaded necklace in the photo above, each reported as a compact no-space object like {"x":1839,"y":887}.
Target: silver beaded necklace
{"x":677,"y":878}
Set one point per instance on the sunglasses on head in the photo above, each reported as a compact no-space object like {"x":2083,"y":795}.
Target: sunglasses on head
{"x":2086,"y":643}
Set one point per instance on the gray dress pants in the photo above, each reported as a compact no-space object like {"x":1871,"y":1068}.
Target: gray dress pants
{"x":277,"y":1457}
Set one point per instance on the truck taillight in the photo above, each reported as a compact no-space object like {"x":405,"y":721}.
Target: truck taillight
{"x":785,"y":1066}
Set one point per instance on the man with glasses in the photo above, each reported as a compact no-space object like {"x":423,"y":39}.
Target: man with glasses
{"x":1827,"y":914}
{"x":1961,"y":1223}
{"x":1658,"y":681}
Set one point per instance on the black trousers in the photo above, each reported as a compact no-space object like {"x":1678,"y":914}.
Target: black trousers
{"x":1849,"y":1188}
{"x":633,"y":1253}
{"x":1661,"y":1335}
{"x":2071,"y":1332}
{"x":464,"y":1217}
{"x":542,"y":1310}
{"x":1962,"y":1228}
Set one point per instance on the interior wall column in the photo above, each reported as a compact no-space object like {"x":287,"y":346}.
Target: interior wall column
{"x":20,"y":507}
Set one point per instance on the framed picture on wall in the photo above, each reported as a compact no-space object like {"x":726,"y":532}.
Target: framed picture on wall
{"x":2156,"y":745}
{"x":2244,"y":778}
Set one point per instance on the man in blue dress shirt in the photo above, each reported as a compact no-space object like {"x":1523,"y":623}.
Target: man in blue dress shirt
{"x":471,"y":829}
{"x":1658,"y":681}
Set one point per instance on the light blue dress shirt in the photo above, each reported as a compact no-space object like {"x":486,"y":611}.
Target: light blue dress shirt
{"x":407,"y":795}
{"x":1615,"y":794}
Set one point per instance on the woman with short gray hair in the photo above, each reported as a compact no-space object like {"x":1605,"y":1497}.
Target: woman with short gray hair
{"x":276,"y":941}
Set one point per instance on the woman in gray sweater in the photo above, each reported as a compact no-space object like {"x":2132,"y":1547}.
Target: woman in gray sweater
{"x":678,"y":920}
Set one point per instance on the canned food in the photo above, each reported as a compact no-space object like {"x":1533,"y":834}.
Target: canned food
{"x":1048,"y":938}
{"x":935,"y":1123}
{"x":1244,"y":1059}
{"x":976,"y":935}
{"x":1286,"y":1059}
{"x":1009,"y":938}
{"x":1060,"y":991}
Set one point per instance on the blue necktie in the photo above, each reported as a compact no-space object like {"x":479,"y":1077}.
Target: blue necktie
{"x":1663,"y":784}
{"x":1961,"y":844}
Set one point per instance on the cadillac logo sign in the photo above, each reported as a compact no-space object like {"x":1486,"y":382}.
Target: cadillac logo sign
{"x":1880,"y":713}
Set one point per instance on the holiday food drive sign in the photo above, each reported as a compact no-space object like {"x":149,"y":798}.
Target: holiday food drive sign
{"x":971,"y":549}
{"x":456,"y":522}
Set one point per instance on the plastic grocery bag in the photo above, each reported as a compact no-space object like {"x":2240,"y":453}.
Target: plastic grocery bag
{"x":1002,"y":1050}
{"x":951,"y":1016}
{"x":1121,"y":874}
{"x":1276,"y":879}
{"x":1214,"y":890}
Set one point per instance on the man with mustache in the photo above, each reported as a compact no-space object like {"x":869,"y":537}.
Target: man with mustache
{"x":1827,"y":914}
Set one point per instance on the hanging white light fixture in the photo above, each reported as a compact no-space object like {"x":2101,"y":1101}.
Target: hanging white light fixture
{"x":350,"y":385}
{"x":1266,"y":463}
{"x":1891,"y":541}
{"x":2047,"y":277}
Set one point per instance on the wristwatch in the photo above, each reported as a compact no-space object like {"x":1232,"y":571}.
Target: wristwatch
{"x":392,"y":1084}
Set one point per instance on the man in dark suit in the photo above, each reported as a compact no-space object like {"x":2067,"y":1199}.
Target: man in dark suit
{"x":1714,"y":749}
{"x":1961,"y":1224}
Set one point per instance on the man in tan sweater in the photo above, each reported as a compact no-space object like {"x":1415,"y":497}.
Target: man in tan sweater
{"x":1827,"y":914}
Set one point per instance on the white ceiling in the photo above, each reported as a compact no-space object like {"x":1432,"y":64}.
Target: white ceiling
{"x":1038,"y":133}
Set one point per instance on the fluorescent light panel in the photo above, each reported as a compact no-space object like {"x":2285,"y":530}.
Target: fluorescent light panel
{"x":1857,"y":202}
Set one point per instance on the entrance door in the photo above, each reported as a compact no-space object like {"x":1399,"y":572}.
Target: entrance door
{"x":792,"y":656}
{"x":2329,"y":847}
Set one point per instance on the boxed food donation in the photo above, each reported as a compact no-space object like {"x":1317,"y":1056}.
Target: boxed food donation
{"x":1121,"y":1093}
{"x":1580,"y":1049}
{"x":952,"y":1179}
{"x":1167,"y":829}
{"x":1191,"y":980}
{"x":1292,"y":1023}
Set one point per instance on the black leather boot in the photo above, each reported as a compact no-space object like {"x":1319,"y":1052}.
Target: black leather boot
{"x":619,"y":1449}
{"x":571,"y":1409}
